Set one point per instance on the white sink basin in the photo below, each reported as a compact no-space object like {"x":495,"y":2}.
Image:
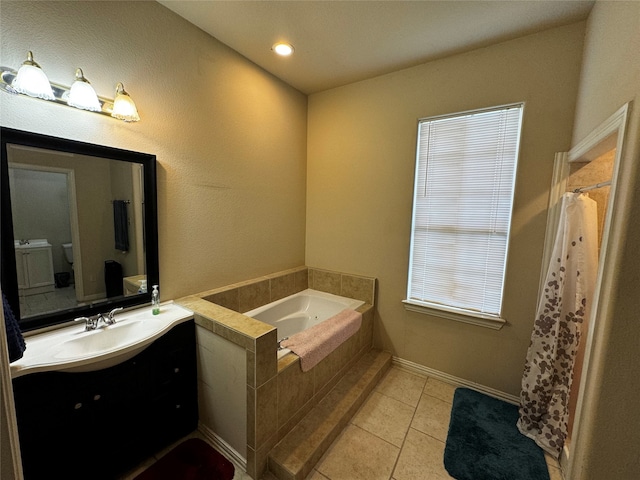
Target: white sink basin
{"x":102,"y":340}
{"x":33,"y":243}
{"x":74,"y":349}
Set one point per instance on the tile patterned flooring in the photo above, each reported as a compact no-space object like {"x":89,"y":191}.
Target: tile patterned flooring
{"x":399,"y":433}
{"x":58,"y":299}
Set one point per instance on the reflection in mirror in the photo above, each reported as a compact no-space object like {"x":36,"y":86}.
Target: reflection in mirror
{"x":73,"y":217}
{"x":84,"y":226}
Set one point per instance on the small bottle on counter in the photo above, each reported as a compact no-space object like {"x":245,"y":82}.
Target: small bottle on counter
{"x":155,"y":300}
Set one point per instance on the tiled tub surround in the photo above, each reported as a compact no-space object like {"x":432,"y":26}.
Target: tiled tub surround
{"x":248,"y":419}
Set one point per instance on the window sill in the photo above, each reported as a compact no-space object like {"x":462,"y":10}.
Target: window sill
{"x":481,"y":321}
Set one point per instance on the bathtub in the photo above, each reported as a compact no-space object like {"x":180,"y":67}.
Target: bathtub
{"x":300,"y":311}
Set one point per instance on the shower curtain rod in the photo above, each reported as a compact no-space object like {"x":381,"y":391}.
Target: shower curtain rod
{"x":592,"y":187}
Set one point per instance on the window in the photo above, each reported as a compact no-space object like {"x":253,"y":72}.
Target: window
{"x":463,"y":197}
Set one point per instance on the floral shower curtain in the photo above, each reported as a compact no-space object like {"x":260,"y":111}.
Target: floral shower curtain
{"x":558,"y":327}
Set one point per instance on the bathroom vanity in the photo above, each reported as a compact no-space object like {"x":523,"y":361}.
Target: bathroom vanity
{"x":34,"y":265}
{"x":91,"y":403}
{"x":97,"y":424}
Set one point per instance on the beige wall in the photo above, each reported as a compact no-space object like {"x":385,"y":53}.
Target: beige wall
{"x":608,"y":442}
{"x":361,"y":156}
{"x":230,"y":139}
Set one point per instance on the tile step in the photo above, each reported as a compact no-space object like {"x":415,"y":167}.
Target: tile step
{"x":295,"y":455}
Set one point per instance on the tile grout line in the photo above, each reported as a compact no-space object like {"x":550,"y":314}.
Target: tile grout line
{"x":404,"y":440}
{"x":400,"y":449}
{"x":415,"y":409}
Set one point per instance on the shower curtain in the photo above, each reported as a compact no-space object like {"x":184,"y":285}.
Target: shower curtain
{"x":558,"y":328}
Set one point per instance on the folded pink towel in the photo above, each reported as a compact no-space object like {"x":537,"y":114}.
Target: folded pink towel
{"x":315,"y":343}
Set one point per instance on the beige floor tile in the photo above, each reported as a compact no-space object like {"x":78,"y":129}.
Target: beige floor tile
{"x":240,"y":475}
{"x":552,"y":462}
{"x":358,"y":455}
{"x":432,"y":417}
{"x":385,"y":417}
{"x":555,"y":473}
{"x":421,"y":458}
{"x":436,"y":388}
{"x":316,"y":475}
{"x":402,"y":386}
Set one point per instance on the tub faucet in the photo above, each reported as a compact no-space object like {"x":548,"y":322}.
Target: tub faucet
{"x":280,"y":347}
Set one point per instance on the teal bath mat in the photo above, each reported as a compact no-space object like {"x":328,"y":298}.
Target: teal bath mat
{"x":484,"y":443}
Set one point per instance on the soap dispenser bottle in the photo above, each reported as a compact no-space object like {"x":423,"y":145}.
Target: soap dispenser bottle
{"x":155,"y":300}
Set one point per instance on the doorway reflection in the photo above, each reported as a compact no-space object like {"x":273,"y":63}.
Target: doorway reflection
{"x":64,"y":204}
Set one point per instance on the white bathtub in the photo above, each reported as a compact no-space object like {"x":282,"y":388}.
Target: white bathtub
{"x":300,"y":311}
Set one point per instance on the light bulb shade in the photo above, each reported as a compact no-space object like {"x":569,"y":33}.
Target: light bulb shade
{"x":123,"y":106}
{"x":82,"y":95}
{"x":32,"y":81}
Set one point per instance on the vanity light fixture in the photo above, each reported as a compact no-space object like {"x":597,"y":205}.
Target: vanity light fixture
{"x":283,"y":49}
{"x":82,"y":95}
{"x":123,"y":106}
{"x":31,"y":80}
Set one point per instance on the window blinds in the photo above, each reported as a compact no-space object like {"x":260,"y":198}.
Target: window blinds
{"x":465,"y":173}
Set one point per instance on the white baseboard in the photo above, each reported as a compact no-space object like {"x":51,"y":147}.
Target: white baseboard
{"x":445,"y":377}
{"x":223,"y":447}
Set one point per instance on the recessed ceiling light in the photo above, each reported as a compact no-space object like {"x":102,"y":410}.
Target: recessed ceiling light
{"x":283,"y":49}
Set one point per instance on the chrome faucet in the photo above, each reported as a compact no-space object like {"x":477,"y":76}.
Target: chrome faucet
{"x":91,"y":323}
{"x":280,"y":347}
{"x":110,"y":320}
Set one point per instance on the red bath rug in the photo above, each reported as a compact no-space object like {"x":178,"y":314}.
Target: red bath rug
{"x":193,"y":459}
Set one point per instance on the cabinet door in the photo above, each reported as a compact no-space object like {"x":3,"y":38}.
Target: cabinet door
{"x":20,"y":267}
{"x":96,"y":425}
{"x":39,"y":265}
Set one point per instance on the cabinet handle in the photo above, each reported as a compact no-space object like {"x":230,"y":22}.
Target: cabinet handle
{"x":96,"y":397}
{"x":78,"y":406}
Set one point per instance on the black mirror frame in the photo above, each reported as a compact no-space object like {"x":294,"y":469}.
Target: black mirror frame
{"x":8,"y":272}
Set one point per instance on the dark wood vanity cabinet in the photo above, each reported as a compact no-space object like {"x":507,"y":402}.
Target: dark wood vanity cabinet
{"x":96,"y":425}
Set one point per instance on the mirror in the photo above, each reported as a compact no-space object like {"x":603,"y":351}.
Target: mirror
{"x":79,"y":228}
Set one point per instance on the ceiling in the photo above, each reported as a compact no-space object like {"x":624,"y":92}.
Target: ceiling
{"x":340,"y":42}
